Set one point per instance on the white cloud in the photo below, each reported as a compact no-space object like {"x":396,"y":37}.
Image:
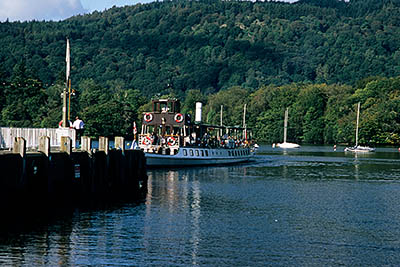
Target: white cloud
{"x":26,"y":10}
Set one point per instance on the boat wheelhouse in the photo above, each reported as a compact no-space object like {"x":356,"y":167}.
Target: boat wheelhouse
{"x":170,"y":138}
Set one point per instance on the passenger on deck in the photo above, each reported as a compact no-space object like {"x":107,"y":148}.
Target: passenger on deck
{"x":155,"y":138}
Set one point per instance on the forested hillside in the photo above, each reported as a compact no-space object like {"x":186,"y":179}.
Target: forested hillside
{"x":124,"y":56}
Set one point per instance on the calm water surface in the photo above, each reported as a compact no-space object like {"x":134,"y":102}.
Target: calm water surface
{"x":307,"y":207}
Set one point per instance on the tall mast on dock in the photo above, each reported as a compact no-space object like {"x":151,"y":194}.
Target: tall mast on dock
{"x":68,"y":69}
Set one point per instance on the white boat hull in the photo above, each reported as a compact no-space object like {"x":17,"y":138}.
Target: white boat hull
{"x":359,"y":149}
{"x":288,"y":145}
{"x":199,"y":157}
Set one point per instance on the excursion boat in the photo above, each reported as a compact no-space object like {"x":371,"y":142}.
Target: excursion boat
{"x":170,"y":138}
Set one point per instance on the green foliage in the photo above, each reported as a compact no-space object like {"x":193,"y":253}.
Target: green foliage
{"x":192,"y":96}
{"x":318,"y":58}
{"x":232,"y":101}
{"x":173,"y":46}
{"x":24,"y":100}
{"x":108,"y":113}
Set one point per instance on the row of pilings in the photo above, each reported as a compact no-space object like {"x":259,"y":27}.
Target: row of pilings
{"x":47,"y":180}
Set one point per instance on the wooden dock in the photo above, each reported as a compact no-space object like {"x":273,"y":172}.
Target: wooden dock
{"x":66,"y":177}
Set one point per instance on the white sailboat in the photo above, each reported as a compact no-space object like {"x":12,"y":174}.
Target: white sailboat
{"x":357,"y":148}
{"x":286,"y":144}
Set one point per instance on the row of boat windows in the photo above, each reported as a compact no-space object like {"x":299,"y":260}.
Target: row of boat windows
{"x":196,"y":152}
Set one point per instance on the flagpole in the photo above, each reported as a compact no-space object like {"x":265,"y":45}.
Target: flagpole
{"x":67,"y":60}
{"x":69,"y":100}
{"x":134,"y":131}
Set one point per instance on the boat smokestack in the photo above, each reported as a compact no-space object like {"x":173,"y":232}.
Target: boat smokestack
{"x":198,"y":111}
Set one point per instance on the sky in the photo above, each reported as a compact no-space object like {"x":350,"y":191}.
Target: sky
{"x":27,"y":10}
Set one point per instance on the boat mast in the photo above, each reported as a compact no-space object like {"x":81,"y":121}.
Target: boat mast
{"x":285,"y":125}
{"x":220,"y":119}
{"x":244,"y":122}
{"x":358,"y":118}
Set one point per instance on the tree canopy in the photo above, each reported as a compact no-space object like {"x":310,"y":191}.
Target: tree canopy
{"x":319,"y":58}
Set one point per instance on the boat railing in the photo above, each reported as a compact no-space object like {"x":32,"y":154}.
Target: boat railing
{"x":167,"y":144}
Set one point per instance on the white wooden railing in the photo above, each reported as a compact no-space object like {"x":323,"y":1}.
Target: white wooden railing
{"x":31,"y":135}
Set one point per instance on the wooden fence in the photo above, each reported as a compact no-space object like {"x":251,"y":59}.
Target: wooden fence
{"x":32,"y":136}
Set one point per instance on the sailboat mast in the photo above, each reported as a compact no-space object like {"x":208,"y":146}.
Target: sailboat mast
{"x":244,"y":122}
{"x":358,"y":119}
{"x":285,"y":125}
{"x":220,"y":120}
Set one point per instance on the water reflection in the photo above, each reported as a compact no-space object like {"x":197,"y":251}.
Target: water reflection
{"x":196,"y":213}
{"x":296,"y":208}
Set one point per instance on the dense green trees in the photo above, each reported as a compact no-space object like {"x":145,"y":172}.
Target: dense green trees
{"x":174,"y":46}
{"x":319,"y":58}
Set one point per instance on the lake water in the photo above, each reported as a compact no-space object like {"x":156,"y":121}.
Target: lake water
{"x":308,"y":207}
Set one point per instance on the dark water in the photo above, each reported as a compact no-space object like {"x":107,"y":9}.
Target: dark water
{"x":307,"y":207}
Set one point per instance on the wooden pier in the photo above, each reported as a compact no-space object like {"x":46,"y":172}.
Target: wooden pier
{"x":66,"y":177}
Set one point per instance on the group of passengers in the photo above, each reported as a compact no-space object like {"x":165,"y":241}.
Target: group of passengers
{"x":215,"y":141}
{"x":193,"y":140}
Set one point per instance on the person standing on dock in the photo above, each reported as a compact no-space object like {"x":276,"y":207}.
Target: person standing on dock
{"x":78,"y":125}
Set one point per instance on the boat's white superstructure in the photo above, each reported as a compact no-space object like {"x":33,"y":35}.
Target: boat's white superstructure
{"x":357,"y":148}
{"x":169,"y":138}
{"x":286,"y":144}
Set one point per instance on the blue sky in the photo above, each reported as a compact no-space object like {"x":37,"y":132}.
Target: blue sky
{"x":27,"y":10}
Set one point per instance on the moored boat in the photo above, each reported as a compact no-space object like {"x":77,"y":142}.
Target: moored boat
{"x":285,"y":144}
{"x":288,"y":145}
{"x":170,"y":138}
{"x":360,"y":149}
{"x":357,"y":148}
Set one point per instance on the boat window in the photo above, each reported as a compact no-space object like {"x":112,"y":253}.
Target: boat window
{"x":202,"y":153}
{"x":229,"y":153}
{"x":206,"y":153}
{"x":197,"y":152}
{"x":184,"y":152}
{"x":191,"y":152}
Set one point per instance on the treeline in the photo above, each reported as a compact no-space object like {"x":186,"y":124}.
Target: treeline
{"x":311,"y":56}
{"x":318,"y":113}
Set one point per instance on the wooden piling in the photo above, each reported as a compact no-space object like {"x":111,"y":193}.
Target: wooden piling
{"x":86,"y":144}
{"x":66,"y":145}
{"x":19,"y":146}
{"x":55,"y":179}
{"x":44,"y":145}
{"x":103,"y":144}
{"x":119,"y":143}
